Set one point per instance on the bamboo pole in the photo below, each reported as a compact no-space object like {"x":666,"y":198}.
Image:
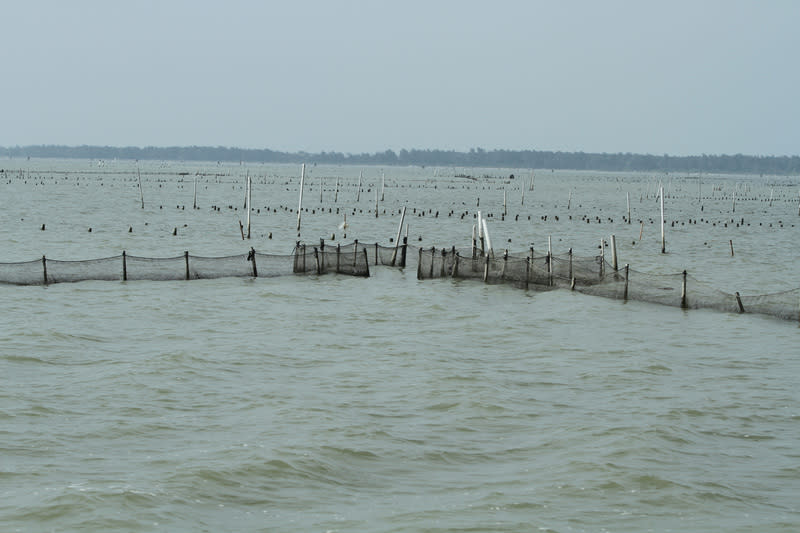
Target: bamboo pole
{"x":44,"y":269}
{"x":628,"y":200}
{"x":358,"y":189}
{"x":731,"y":243}
{"x":300,"y":204}
{"x":124,"y":266}
{"x":489,"y":250}
{"x":186,"y":259}
{"x":400,"y":229}
{"x":249,"y":204}
{"x":141,"y":192}
{"x":614,"y":252}
{"x":627,"y":271}
{"x":663,"y":242}
{"x":739,"y":302}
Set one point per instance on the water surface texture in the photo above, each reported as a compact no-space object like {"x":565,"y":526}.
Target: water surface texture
{"x":335,"y":403}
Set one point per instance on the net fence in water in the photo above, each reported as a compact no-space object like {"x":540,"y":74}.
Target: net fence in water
{"x":595,"y":276}
{"x":350,"y":260}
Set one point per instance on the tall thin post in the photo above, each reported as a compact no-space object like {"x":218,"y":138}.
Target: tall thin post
{"x":683,"y":291}
{"x":505,"y":212}
{"x":358,"y":189}
{"x":44,"y":269}
{"x":186,"y":259}
{"x":194,"y":202}
{"x":627,"y":271}
{"x":249,"y":204}
{"x":739,"y":302}
{"x":316,"y":259}
{"x":663,"y":242}
{"x":474,"y":243}
{"x":602,"y":256}
{"x":489,"y":250}
{"x":300,"y":204}
{"x":397,"y":239}
{"x":480,"y":233}
{"x":569,"y":200}
{"x":376,"y":202}
{"x":614,"y":252}
{"x":141,"y":192}
{"x":320,"y":189}
{"x":336,"y":194}
{"x":628,"y":200}
{"x":733,"y":205}
{"x":252,"y":257}
{"x":124,"y":266}
{"x":383,"y":183}
{"x":549,"y":254}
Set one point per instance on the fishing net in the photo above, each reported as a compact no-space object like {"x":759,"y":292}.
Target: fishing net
{"x":595,"y":276}
{"x":348,"y":260}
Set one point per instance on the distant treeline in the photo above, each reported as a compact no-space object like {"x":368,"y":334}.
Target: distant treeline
{"x":476,"y":157}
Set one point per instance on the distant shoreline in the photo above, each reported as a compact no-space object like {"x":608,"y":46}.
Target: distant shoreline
{"x":477,"y":157}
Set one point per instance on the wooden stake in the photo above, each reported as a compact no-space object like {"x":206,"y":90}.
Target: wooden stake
{"x":683,"y":291}
{"x":731,"y":243}
{"x":124,"y":266}
{"x":625,"y":294}
{"x":358,"y":189}
{"x":300,"y":204}
{"x":614,"y":252}
{"x":194,"y":202}
{"x":628,"y":199}
{"x":44,"y":269}
{"x":141,"y":192}
{"x":249,"y":204}
{"x":399,"y":229}
{"x":663,"y":242}
{"x":739,"y":301}
{"x":186,"y":258}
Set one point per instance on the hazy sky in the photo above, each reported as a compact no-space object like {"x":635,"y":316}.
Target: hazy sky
{"x":677,"y":77}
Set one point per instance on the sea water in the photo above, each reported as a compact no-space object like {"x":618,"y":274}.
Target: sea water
{"x":331,"y":403}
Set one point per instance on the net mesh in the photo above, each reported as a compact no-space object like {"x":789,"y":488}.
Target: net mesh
{"x":350,"y":260}
{"x":594,"y":276}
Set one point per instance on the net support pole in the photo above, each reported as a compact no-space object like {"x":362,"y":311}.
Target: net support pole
{"x":614,"y":263}
{"x":316,"y":260}
{"x":366,"y":263}
{"x":628,"y":200}
{"x":252,"y":257}
{"x":194,"y":201}
{"x":186,"y":259}
{"x":625,"y":294}
{"x":338,"y":255}
{"x":397,"y":239}
{"x":300,"y":204}
{"x":602,"y":257}
{"x":663,"y":241}
{"x":474,"y":243}
{"x":124,"y":266}
{"x":403,"y":252}
{"x":44,"y":269}
{"x":141,"y":192}
{"x":730,"y":241}
{"x":527,"y":269}
{"x":249,"y":204}
{"x":358,"y":189}
{"x":505,"y":263}
{"x":683,"y":291}
{"x":355,"y":253}
{"x":376,"y":253}
{"x":419,"y":265}
{"x":739,"y":302}
{"x":486,"y":268}
{"x":570,"y":266}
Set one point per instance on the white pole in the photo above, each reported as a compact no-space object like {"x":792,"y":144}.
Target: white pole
{"x":300,"y":205}
{"x":480,"y":232}
{"x":663,"y":242}
{"x":249,"y":199}
{"x":399,"y":230}
{"x":628,"y":199}
{"x":488,"y":240}
{"x":614,"y":263}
